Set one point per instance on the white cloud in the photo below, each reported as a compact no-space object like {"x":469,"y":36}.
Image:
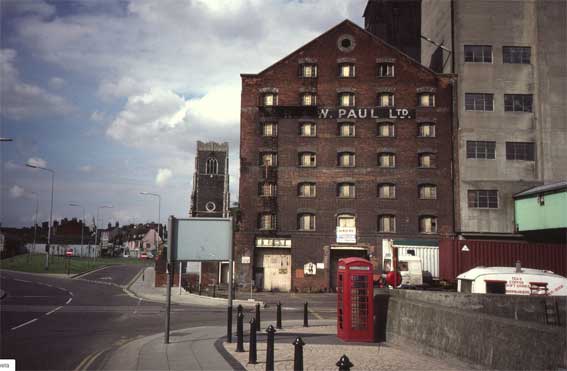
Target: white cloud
{"x":56,"y":83}
{"x":16,"y":191}
{"x":98,"y":117}
{"x":21,"y":100}
{"x":86,"y":168}
{"x":26,"y":8}
{"x":37,"y":161}
{"x":163,"y":176}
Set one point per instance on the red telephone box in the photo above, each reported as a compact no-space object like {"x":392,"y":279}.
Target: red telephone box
{"x":355,"y":300}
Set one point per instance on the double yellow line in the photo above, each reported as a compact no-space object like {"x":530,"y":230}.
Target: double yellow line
{"x":88,"y":361}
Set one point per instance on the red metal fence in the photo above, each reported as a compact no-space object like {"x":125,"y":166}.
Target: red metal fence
{"x":454,"y":261}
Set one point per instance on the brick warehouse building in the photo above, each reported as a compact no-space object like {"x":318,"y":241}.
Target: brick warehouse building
{"x":345,"y":142}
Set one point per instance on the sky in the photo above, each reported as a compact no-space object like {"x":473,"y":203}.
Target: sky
{"x":113,"y":95}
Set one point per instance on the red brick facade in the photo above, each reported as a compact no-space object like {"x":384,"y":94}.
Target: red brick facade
{"x":410,"y":79}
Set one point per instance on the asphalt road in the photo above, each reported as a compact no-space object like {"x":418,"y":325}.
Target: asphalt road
{"x":50,"y":323}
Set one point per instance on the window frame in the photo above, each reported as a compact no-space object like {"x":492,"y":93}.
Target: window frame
{"x":274,"y":159}
{"x":350,"y":186}
{"x":391,"y":99}
{"x":421,"y":194}
{"x":312,"y":159}
{"x":391,"y":223}
{"x":351,"y":159}
{"x":274,"y":99}
{"x":478,"y":54}
{"x":431,"y":125}
{"x":391,"y":191}
{"x":520,"y":151}
{"x":391,"y":155}
{"x":385,"y":67}
{"x":312,"y":222}
{"x":274,"y":130}
{"x":524,"y":100}
{"x":212,"y":166}
{"x":351,"y":68}
{"x":312,"y":186}
{"x":351,"y":99}
{"x":432,"y":160}
{"x":308,"y":99}
{"x":271,"y":186}
{"x":430,"y":100}
{"x":432,"y":224}
{"x":346,"y":216}
{"x":304,"y":66}
{"x":391,"y":128}
{"x":516,"y":54}
{"x":302,"y":125}
{"x":483,"y":199}
{"x":351,"y":129}
{"x":486,"y":100}
{"x":272,"y":221}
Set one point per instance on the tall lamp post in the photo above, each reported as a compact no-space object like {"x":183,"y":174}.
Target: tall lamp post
{"x":50,"y":211}
{"x":82,"y":224}
{"x":96,"y":227}
{"x":159,"y":213}
{"x":34,"y":223}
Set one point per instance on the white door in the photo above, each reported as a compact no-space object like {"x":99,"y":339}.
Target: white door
{"x":277,"y":272}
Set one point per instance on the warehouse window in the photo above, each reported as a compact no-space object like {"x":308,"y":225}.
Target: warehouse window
{"x":481,"y":149}
{"x":267,"y":189}
{"x":427,"y":224}
{"x":386,"y":160}
{"x":386,"y":223}
{"x":346,"y":159}
{"x":307,"y":159}
{"x":427,"y":192}
{"x":520,"y":151}
{"x":495,"y":287}
{"x":269,"y":129}
{"x":308,"y":70}
{"x":346,"y":129}
{"x":385,"y":70}
{"x":267,"y":222}
{"x":346,"y":190}
{"x":483,"y":199}
{"x":479,"y":102}
{"x":427,"y":160}
{"x":426,"y":130}
{"x":346,"y":99}
{"x":306,"y":189}
{"x":518,"y":102}
{"x":516,"y":54}
{"x":386,"y":129}
{"x":308,"y":99}
{"x":268,"y":159}
{"x":307,"y":129}
{"x":306,"y":222}
{"x":426,"y":100}
{"x":346,"y":220}
{"x":385,"y":100}
{"x":347,"y":70}
{"x":269,"y":99}
{"x":386,"y":191}
{"x":478,"y":53}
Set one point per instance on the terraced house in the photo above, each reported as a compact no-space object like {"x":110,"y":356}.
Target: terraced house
{"x":345,"y":142}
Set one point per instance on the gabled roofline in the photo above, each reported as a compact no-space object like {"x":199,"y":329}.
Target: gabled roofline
{"x":347,"y":21}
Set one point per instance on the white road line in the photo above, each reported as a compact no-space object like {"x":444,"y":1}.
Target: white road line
{"x":68,"y":301}
{"x":53,"y":311}
{"x":19,"y":280}
{"x":23,"y":324}
{"x":137,"y":306}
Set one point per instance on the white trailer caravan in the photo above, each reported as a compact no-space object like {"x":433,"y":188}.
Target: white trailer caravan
{"x":512,"y":281}
{"x":418,"y":261}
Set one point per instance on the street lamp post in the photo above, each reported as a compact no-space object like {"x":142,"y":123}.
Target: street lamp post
{"x":50,"y":212}
{"x":96,"y":227}
{"x":35,"y":221}
{"x":159,"y":213}
{"x":82,"y":224}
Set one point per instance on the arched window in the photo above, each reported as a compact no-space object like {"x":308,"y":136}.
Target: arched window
{"x":212,"y":166}
{"x":346,"y":220}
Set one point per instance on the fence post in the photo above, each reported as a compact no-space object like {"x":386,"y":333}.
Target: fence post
{"x":258,"y":317}
{"x":252,"y":355}
{"x":305,"y":315}
{"x":279,"y":316}
{"x":344,"y":363}
{"x":229,"y":324}
{"x":240,"y":333}
{"x":270,"y":348}
{"x":298,"y":354}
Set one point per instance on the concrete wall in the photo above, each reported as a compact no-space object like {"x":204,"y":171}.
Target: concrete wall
{"x":502,"y":332}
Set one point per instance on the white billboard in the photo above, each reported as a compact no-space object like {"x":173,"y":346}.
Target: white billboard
{"x":200,"y":239}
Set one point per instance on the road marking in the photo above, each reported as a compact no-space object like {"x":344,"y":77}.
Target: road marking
{"x":19,"y":280}
{"x":93,"y":358}
{"x":53,"y":311}
{"x":317,"y":315}
{"x":83,"y":362}
{"x":137,"y":306}
{"x":23,"y":324}
{"x":68,"y":301}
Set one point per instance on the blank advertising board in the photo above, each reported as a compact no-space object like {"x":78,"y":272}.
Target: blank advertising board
{"x":200,"y":239}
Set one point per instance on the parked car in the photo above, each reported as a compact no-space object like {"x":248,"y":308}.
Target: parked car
{"x":144,"y":256}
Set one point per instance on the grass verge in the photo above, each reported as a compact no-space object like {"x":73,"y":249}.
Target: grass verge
{"x":35,"y":263}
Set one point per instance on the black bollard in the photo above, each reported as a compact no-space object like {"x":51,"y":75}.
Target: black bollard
{"x":305,"y":318}
{"x":200,"y":289}
{"x":344,"y":363}
{"x":240,"y":332}
{"x":252,"y":354}
{"x":238,"y":309}
{"x":298,"y":354}
{"x":270,"y":348}
{"x":279,"y":316}
{"x":258,"y":317}
{"x":229,"y":325}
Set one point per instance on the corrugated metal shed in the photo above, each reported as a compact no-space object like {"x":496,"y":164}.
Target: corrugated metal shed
{"x":458,"y":256}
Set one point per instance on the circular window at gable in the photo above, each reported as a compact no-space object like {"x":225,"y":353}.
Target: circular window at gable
{"x":346,"y":43}
{"x":210,"y":206}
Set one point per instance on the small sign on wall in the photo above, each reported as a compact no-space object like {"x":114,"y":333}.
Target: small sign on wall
{"x":320,"y":265}
{"x":245,"y":260}
{"x":310,"y":269}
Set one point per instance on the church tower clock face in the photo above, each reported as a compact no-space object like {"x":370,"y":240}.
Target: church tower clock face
{"x":210,"y":206}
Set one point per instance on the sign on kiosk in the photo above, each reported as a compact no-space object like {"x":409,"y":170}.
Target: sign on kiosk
{"x":355,"y":300}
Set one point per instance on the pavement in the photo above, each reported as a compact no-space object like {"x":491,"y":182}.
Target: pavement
{"x":206,"y":347}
